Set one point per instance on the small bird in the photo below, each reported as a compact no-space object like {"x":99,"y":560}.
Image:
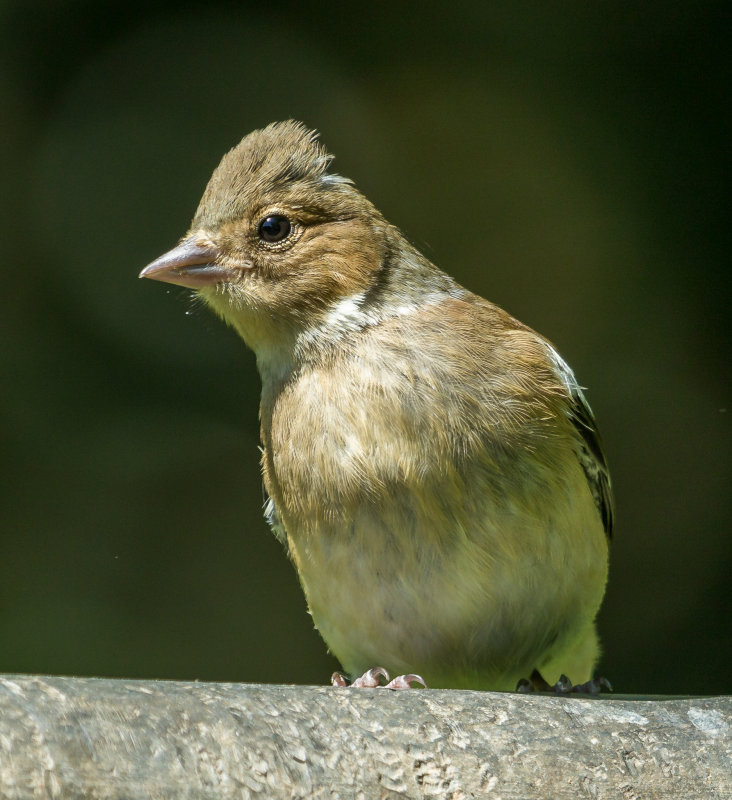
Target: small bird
{"x":430,"y":462}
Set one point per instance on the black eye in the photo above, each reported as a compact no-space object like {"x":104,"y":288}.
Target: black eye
{"x":274,"y":228}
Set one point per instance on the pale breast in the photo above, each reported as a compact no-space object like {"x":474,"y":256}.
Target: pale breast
{"x":425,"y":530}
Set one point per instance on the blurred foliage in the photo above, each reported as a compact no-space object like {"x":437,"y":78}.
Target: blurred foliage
{"x":567,"y":161}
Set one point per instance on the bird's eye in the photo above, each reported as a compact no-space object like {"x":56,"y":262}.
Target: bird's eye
{"x":274,"y":228}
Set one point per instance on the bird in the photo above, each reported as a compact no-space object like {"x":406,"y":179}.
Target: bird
{"x":431,"y":464}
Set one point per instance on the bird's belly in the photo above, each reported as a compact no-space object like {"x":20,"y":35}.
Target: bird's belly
{"x":410,"y":588}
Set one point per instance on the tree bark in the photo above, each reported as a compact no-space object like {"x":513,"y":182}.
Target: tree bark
{"x":96,"y":738}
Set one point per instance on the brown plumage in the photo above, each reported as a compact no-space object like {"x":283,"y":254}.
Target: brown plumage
{"x":431,"y":462}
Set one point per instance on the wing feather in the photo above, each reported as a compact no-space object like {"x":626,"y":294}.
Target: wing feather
{"x":590,"y":453}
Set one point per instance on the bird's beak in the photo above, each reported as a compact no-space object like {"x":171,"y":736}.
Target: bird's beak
{"x":192,"y":264}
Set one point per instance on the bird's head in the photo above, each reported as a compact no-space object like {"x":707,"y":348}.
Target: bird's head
{"x":277,"y":241}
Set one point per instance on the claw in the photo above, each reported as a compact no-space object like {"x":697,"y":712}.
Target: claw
{"x":595,"y":686}
{"x":405,"y":681}
{"x":338,"y":679}
{"x":372,"y":679}
{"x":536,"y":683}
{"x":563,"y":685}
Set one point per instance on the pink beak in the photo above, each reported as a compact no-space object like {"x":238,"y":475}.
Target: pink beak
{"x":190,"y":264}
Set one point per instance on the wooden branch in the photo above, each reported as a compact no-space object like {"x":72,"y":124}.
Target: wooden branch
{"x":94,"y":738}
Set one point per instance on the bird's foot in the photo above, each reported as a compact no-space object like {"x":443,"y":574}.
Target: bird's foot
{"x":372,"y":679}
{"x":536,"y":683}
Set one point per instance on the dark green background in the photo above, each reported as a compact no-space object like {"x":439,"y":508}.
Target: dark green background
{"x":564,"y":160}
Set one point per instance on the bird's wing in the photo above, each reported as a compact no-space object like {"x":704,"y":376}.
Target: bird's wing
{"x":590,"y":453}
{"x":274,"y":521}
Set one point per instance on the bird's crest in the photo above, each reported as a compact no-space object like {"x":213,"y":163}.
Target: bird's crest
{"x":281,"y":155}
